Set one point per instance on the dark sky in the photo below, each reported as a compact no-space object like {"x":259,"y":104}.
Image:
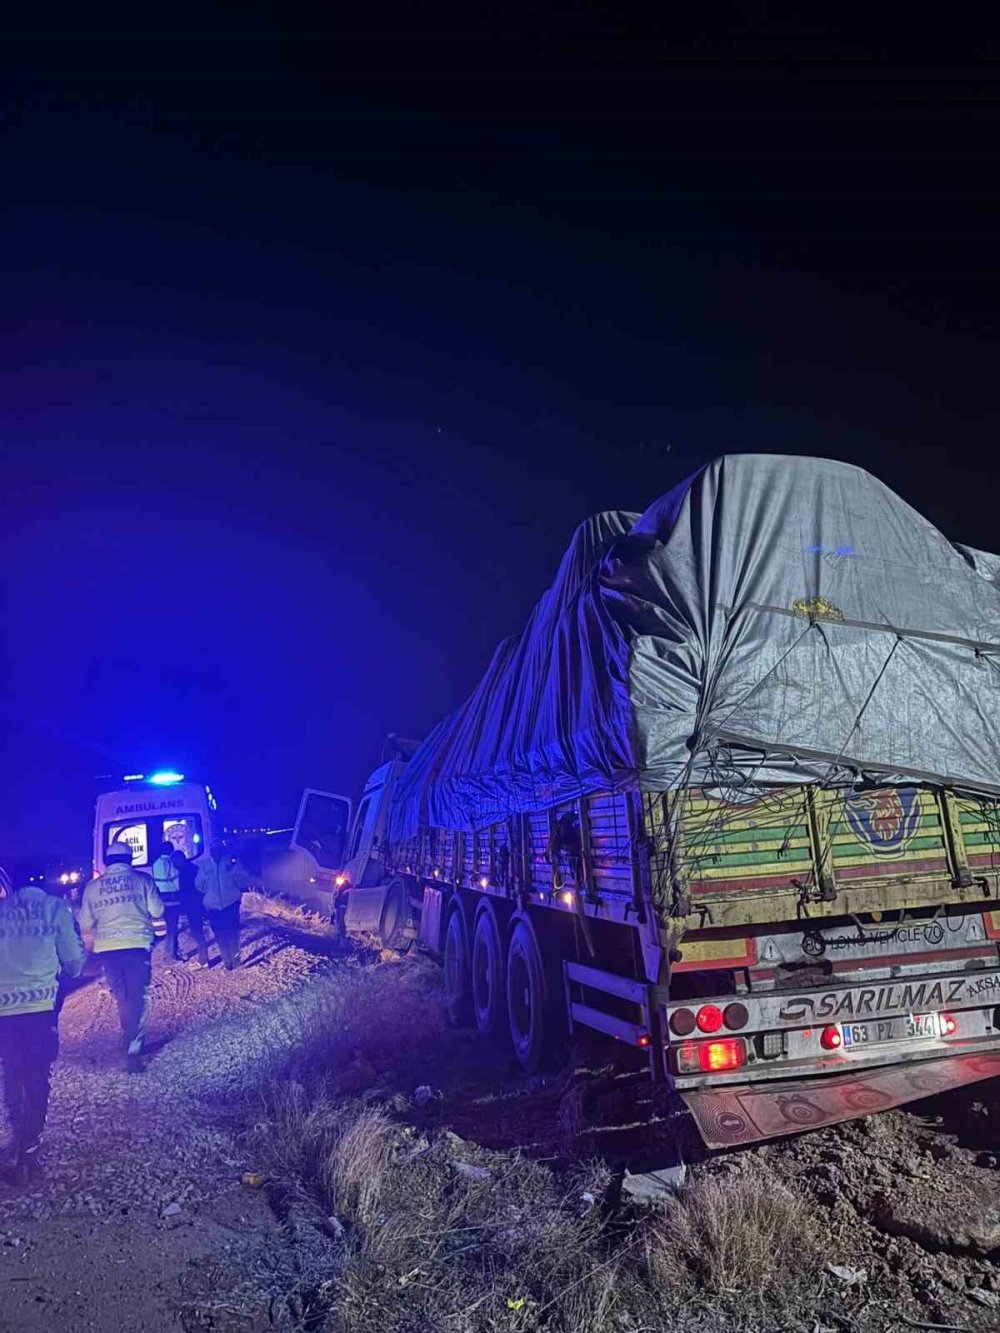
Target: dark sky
{"x":319,"y":332}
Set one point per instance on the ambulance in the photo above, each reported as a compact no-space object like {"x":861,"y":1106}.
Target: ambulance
{"x":148,"y":811}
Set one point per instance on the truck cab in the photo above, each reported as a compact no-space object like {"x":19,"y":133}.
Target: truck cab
{"x":347,"y":854}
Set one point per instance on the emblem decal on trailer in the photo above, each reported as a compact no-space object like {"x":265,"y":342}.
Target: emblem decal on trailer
{"x":816,"y":608}
{"x":884,"y":820}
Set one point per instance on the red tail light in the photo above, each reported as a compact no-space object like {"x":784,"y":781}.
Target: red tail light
{"x":949,"y":1025}
{"x":831,"y":1039}
{"x":642,"y":1039}
{"x":728,"y":1054}
{"x":709,"y":1018}
{"x":711,"y":1057}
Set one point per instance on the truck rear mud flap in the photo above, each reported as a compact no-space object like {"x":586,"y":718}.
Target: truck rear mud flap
{"x":727,"y":1117}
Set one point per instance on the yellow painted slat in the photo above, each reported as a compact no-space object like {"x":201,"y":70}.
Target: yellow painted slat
{"x":762,"y":844}
{"x":705,"y":951}
{"x":706,"y":874}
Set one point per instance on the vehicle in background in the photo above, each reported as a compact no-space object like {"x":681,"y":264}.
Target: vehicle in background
{"x":148,"y":811}
{"x":61,"y":879}
{"x":685,"y":808}
{"x":68,"y":884}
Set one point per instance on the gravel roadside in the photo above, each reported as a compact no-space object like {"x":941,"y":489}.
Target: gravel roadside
{"x":142,"y":1220}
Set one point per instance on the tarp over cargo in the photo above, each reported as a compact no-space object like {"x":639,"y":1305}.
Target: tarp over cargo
{"x":770,"y":619}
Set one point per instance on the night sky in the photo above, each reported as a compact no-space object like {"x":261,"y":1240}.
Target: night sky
{"x":320,"y":332}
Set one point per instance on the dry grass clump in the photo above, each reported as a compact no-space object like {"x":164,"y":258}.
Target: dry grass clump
{"x":439,"y":1234}
{"x":736,"y":1236}
{"x":287,"y":913}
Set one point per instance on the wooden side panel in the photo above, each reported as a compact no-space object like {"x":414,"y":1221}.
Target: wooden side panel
{"x":768,"y":843}
{"x":482,"y":868}
{"x":500,"y":859}
{"x":448,"y":840}
{"x":979,"y":821}
{"x":406,"y":856}
{"x":739,"y":861}
{"x":730,"y":847}
{"x":610,"y":845}
{"x":889,"y":832}
{"x":539,"y":835}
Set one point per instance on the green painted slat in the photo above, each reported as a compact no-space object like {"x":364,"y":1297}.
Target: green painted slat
{"x":988,"y":839}
{"x":794,"y":855}
{"x":913,"y":845}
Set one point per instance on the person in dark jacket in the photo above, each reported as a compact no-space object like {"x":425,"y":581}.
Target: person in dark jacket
{"x":191,"y":906}
{"x":38,"y":940}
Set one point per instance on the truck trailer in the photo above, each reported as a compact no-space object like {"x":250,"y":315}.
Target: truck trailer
{"x":732,"y":798}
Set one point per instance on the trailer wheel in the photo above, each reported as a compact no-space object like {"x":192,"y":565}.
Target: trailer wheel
{"x":395,"y":927}
{"x":457,"y":980}
{"x":527,"y":998}
{"x":487,"y":974}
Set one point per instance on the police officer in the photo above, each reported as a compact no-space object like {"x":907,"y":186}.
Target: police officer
{"x":168,"y":886}
{"x":38,"y":938}
{"x":117,"y":913}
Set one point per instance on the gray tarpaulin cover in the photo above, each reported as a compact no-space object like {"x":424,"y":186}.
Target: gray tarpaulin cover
{"x":770,"y":619}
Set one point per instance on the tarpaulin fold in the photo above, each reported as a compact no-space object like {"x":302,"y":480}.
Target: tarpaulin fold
{"x":770,"y":619}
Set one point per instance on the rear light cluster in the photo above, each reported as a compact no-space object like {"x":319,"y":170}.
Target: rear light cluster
{"x":711,"y":1057}
{"x":709,"y":1019}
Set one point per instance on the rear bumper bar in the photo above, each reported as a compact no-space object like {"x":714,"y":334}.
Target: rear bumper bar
{"x":729,"y":1116}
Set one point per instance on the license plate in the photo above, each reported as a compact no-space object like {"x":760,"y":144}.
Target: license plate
{"x":891,"y":1029}
{"x":923,"y":1025}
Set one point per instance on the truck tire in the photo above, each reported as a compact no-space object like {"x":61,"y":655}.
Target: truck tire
{"x":487,"y":974}
{"x":527,"y":998}
{"x":457,"y":976}
{"x":396,"y":925}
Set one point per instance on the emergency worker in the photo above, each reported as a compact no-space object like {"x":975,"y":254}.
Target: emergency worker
{"x":222,"y":881}
{"x":117,"y":913}
{"x":38,"y":939}
{"x":168,"y":886}
{"x":191,"y":905}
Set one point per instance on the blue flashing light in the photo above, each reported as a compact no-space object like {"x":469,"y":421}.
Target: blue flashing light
{"x":165,"y":779}
{"x":134,"y":777}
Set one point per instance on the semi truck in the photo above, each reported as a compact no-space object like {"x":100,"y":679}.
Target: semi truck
{"x":731,"y":798}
